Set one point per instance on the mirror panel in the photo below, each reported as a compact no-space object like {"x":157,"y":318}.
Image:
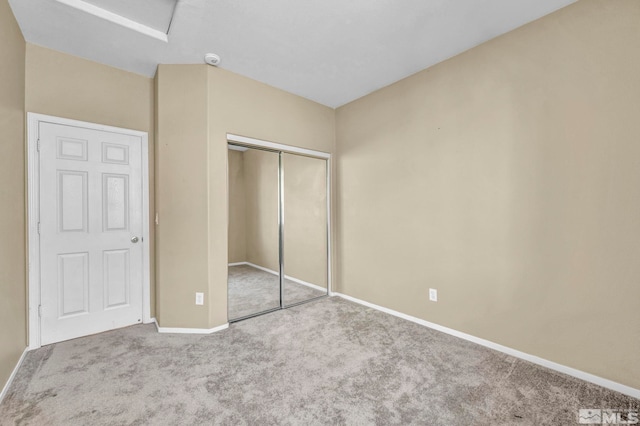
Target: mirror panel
{"x":305,"y":228}
{"x":254,"y":261}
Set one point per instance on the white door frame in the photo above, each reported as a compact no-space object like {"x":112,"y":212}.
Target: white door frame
{"x":33,"y":203}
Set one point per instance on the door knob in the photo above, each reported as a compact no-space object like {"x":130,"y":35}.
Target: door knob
{"x":134,"y":239}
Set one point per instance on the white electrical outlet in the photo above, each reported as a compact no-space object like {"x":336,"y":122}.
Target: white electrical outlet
{"x":433,"y":294}
{"x":199,"y":298}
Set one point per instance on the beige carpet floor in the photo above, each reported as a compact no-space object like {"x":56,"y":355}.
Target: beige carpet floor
{"x":251,"y":290}
{"x":328,"y":362}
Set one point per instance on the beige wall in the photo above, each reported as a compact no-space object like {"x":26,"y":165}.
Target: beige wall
{"x":507,"y":178}
{"x":246,"y":107}
{"x":197,"y":106}
{"x":237,"y":208}
{"x":67,"y":86}
{"x":12,"y":195}
{"x":181,"y":196}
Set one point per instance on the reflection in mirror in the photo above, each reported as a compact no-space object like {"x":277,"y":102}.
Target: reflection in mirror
{"x":254,"y":282}
{"x":305,"y":228}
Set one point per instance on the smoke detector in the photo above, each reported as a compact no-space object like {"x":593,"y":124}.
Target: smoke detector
{"x":212,"y":59}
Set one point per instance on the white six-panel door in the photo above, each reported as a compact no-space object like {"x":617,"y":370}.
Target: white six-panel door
{"x":90,"y":231}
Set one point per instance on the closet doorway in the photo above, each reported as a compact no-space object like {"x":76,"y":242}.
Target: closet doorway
{"x":279,"y":227}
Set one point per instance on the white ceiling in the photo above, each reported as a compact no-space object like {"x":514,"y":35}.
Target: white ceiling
{"x":330,"y":51}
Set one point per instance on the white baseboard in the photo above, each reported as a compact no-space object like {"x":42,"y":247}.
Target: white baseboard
{"x":290,"y":278}
{"x":253,"y":265}
{"x":313,"y":286}
{"x":151,"y":321}
{"x":181,"y":330}
{"x":5,"y":389}
{"x":588,"y":377}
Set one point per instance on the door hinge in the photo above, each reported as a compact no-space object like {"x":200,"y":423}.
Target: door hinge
{"x":39,"y":311}
{"x":38,"y":228}
{"x":38,"y":145}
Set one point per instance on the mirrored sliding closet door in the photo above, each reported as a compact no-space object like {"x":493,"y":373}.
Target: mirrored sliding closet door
{"x":305,"y":228}
{"x":254,"y":233}
{"x":278,"y":230}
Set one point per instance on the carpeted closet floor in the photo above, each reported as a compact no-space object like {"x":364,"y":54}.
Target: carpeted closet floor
{"x":252,"y":290}
{"x":326,"y":362}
